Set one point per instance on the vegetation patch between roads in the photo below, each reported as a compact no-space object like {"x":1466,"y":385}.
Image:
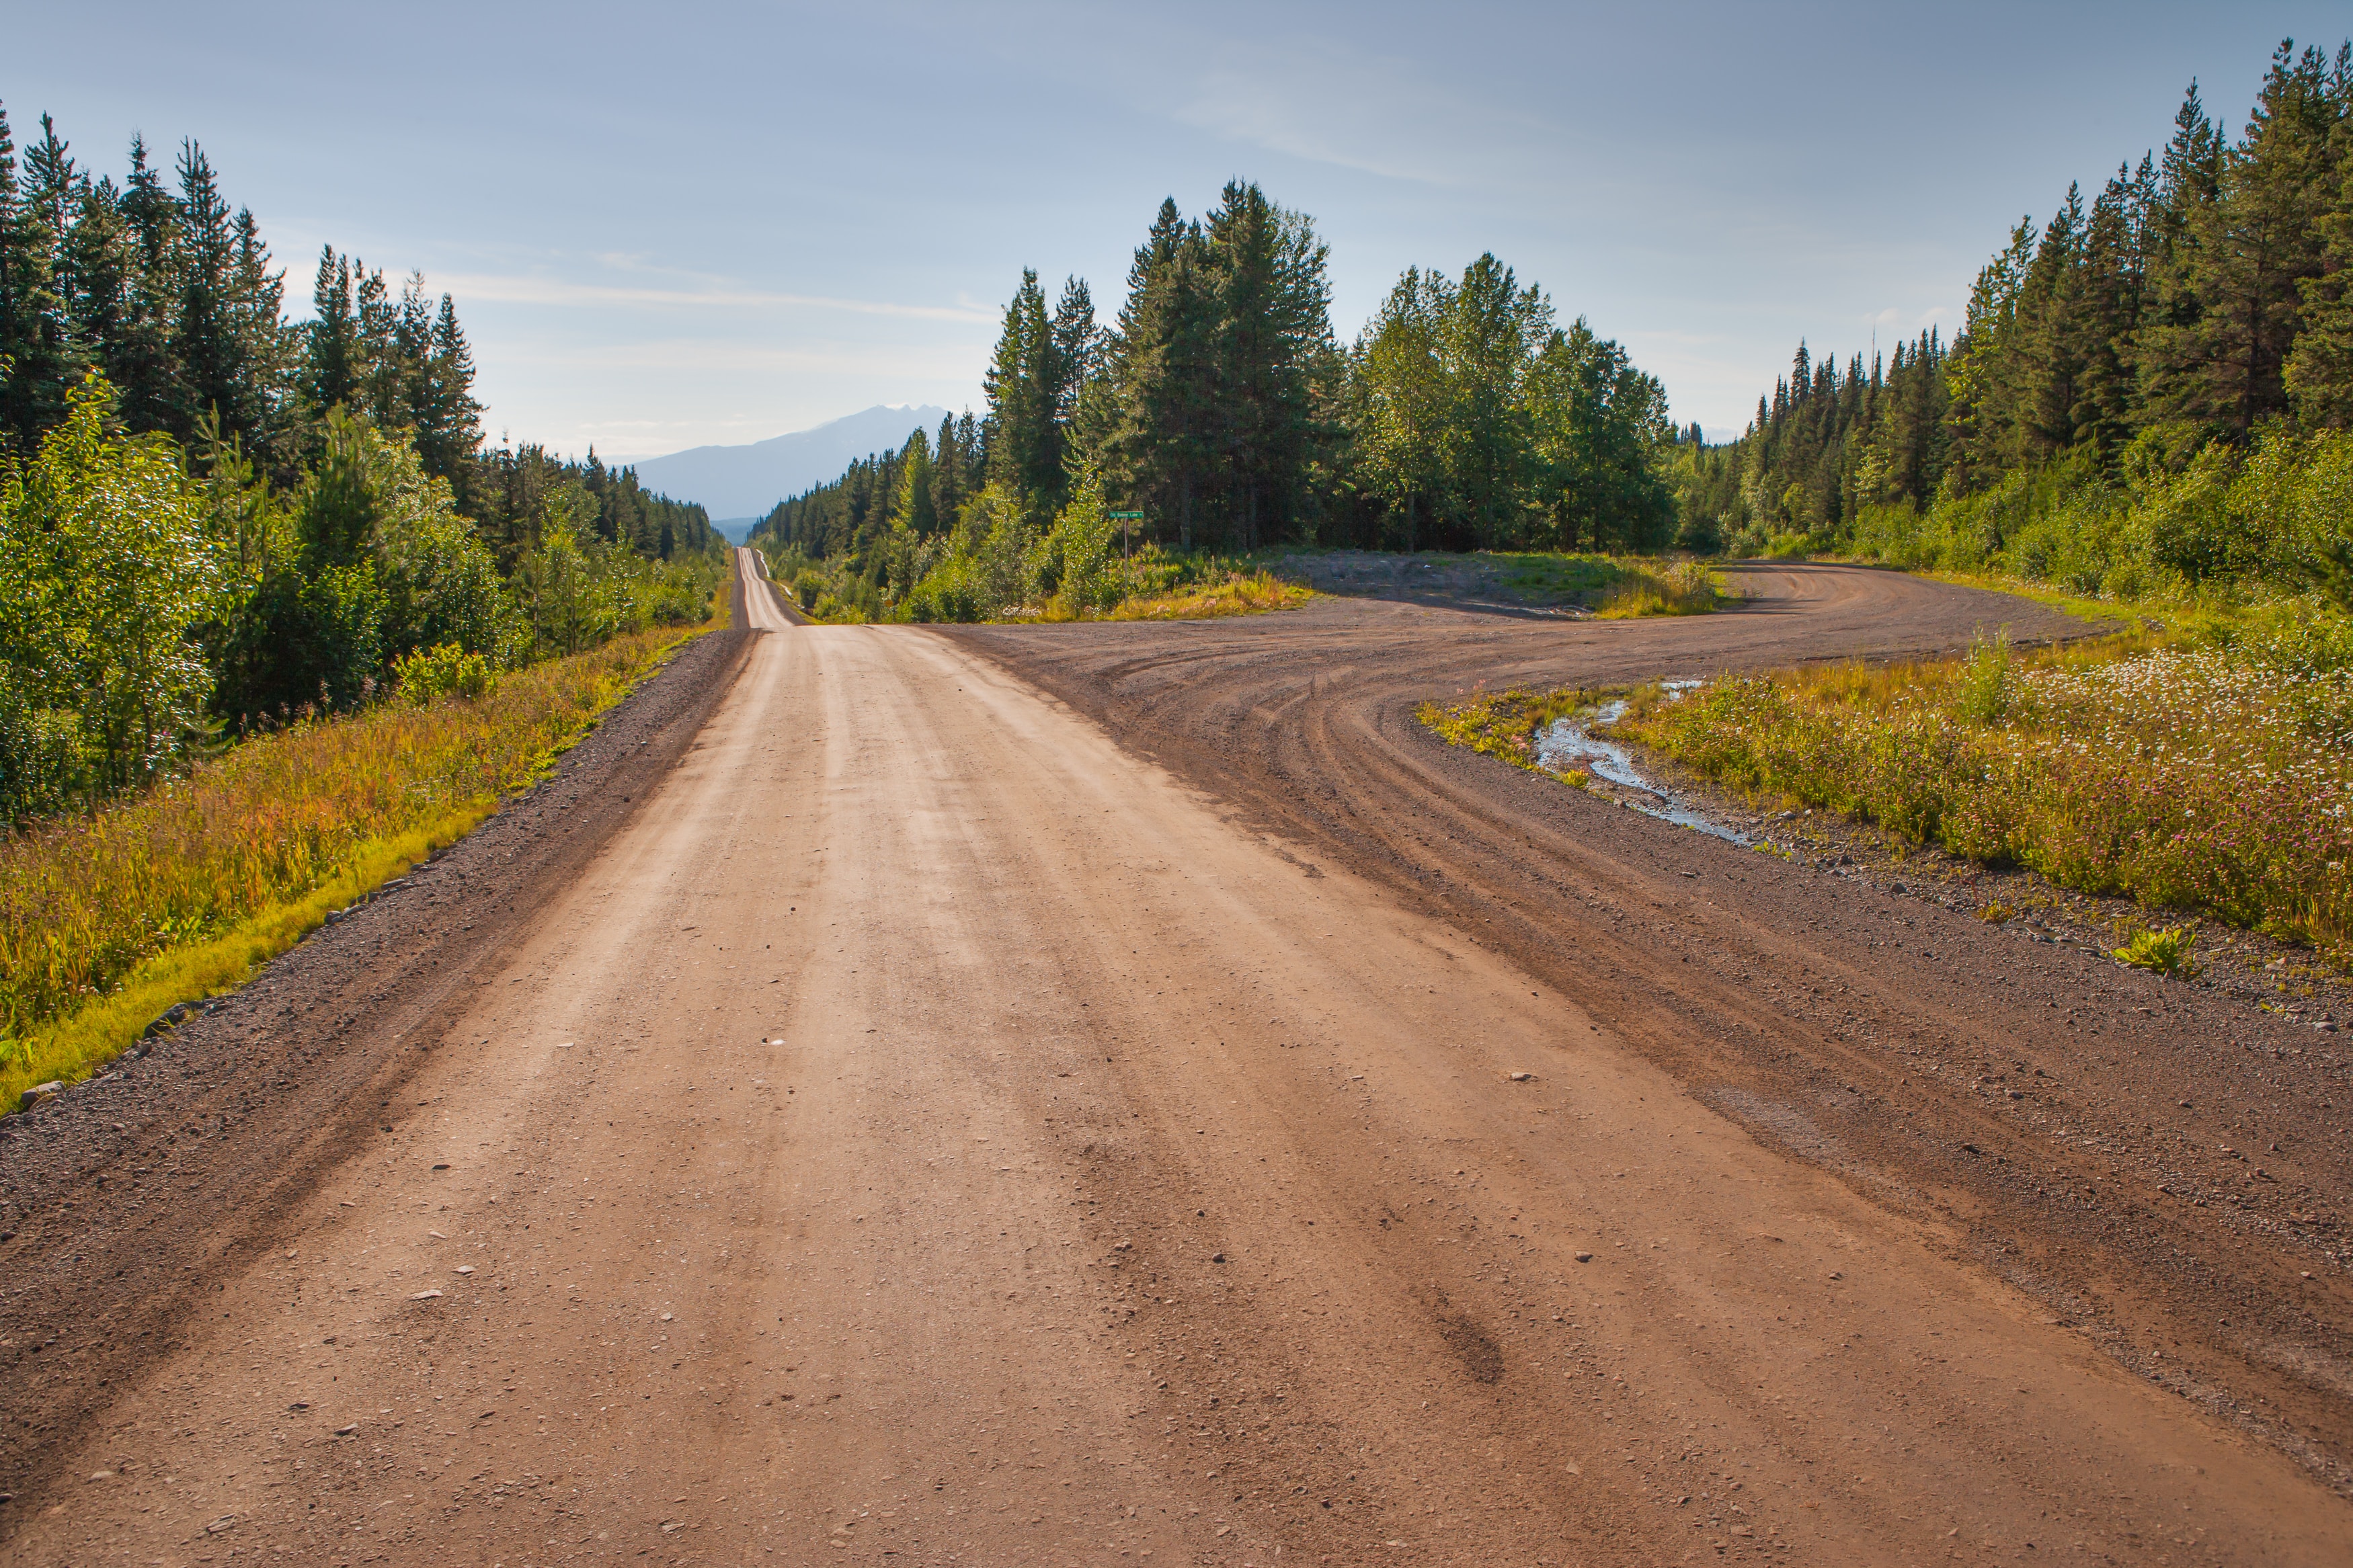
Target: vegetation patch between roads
{"x":109,"y":918}
{"x":2209,"y":777}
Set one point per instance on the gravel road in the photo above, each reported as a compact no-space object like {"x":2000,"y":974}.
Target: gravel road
{"x":1124,"y":1093}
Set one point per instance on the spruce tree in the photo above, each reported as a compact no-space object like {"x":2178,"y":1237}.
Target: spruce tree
{"x":331,"y":346}
{"x":36,"y":348}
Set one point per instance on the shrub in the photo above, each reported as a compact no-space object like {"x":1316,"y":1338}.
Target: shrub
{"x":445,"y":670}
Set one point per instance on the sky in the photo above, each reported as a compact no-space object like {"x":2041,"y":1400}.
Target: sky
{"x":672,"y":226}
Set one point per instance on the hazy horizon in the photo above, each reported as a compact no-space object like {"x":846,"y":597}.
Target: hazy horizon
{"x":755,"y":220}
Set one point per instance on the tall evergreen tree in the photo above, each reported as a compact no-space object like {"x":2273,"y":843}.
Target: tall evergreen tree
{"x":36,"y":346}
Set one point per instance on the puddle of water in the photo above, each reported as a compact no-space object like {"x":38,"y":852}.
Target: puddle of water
{"x":1569,"y":743}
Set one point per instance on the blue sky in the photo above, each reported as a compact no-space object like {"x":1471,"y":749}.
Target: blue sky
{"x":667,"y":226}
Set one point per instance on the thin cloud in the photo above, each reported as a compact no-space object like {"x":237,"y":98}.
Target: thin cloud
{"x":1331,"y":106}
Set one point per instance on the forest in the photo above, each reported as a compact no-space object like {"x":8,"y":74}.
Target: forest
{"x":1217,"y":410}
{"x":215,"y":521}
{"x":2149,"y":395}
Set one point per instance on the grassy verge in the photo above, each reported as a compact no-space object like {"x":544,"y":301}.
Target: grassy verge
{"x":2213,"y":778}
{"x":1663,"y":588}
{"x":2208,"y":773}
{"x":1238,"y":593}
{"x":1615,"y":586}
{"x":108,"y":919}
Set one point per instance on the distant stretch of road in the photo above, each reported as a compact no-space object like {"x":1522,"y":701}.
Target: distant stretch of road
{"x":1098,"y":1094}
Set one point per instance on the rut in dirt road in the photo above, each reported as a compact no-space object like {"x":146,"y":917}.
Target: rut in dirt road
{"x":931,"y":1131}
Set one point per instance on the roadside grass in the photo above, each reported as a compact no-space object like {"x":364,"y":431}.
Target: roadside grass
{"x":2207,"y":770}
{"x":1235,"y":592}
{"x":1674,"y":588}
{"x":1505,"y":724}
{"x":2211,"y":777}
{"x":108,"y":918}
{"x":1614,"y":586}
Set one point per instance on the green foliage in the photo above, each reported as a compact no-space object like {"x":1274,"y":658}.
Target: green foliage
{"x":107,"y":573}
{"x":2159,"y":951}
{"x":2142,"y":401}
{"x":1221,"y":412}
{"x":214,"y":519}
{"x":575,"y":591}
{"x":445,"y":670}
{"x":1072,"y":561}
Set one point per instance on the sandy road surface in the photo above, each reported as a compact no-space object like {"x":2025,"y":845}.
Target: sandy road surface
{"x":929,"y":1132}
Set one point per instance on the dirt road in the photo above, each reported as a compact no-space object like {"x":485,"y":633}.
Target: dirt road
{"x":931,"y":1131}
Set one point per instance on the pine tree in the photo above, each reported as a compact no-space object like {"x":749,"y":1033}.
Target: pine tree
{"x":2243,"y":253}
{"x":35,"y":340}
{"x":1161,"y":451}
{"x":2319,"y":371}
{"x":140,"y":360}
{"x":332,"y":356}
{"x":450,"y":419}
{"x":1024,"y":436}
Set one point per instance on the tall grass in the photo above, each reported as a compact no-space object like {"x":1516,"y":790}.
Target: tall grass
{"x":1676,"y":588}
{"x":1236,"y":593}
{"x":108,"y":918}
{"x":2217,"y":779}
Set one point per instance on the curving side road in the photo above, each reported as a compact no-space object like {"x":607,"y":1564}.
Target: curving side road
{"x":929,"y":1130}
{"x":2165,"y":1168}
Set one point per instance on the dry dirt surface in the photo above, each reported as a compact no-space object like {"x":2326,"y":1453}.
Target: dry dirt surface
{"x":1108,"y":1094}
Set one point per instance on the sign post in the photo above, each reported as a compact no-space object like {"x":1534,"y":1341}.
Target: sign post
{"x":1124,"y":517}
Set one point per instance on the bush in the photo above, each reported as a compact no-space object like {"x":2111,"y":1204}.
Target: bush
{"x":445,"y":670}
{"x":107,"y":577}
{"x":1685,"y":588}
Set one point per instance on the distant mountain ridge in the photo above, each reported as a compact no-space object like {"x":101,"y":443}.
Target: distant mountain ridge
{"x":732,"y":482}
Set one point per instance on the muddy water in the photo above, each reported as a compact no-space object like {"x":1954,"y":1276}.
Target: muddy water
{"x":1570,"y":743}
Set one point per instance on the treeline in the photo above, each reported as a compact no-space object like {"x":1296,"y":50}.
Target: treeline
{"x":1220,"y":409}
{"x":212,"y":519}
{"x":2151,"y":392}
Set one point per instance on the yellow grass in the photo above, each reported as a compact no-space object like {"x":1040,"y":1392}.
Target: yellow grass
{"x":1239,"y":594}
{"x":109,"y":918}
{"x":1683,"y":588}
